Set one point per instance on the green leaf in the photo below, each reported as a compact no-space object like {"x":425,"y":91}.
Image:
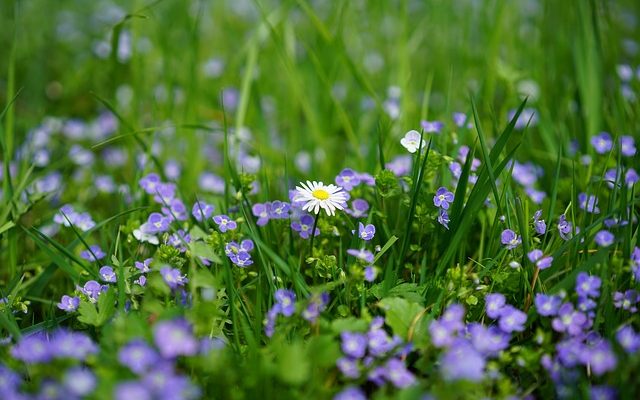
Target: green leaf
{"x":400,"y":314}
{"x":349,"y":324}
{"x":201,"y":249}
{"x":293,"y":365}
{"x":88,"y":313}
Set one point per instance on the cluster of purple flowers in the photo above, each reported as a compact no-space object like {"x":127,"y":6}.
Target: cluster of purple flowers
{"x":285,"y":305}
{"x":366,"y":258}
{"x":93,"y":253}
{"x":348,"y":179}
{"x":456,"y":166}
{"x":468,"y":346}
{"x":527,"y":175}
{"x":443,"y":199}
{"x":602,"y":143}
{"x":239,"y":254}
{"x":376,"y":355}
{"x":45,"y":347}
{"x":156,"y":373}
{"x":67,"y":216}
{"x":579,"y":345}
{"x":270,"y":210}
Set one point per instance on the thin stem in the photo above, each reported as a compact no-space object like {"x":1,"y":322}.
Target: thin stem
{"x":313,"y":232}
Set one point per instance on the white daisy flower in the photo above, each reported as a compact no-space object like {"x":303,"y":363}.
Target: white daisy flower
{"x":317,"y":195}
{"x":411,"y":141}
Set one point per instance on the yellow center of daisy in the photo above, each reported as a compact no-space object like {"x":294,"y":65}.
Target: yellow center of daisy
{"x":320,"y":194}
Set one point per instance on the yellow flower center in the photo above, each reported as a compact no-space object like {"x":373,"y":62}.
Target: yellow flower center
{"x":320,"y":194}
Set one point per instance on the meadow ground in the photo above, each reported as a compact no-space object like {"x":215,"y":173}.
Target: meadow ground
{"x":256,"y":199}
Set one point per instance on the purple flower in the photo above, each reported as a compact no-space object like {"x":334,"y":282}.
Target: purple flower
{"x":512,"y":319}
{"x":588,"y":285}
{"x":175,"y":338}
{"x":510,"y":239}
{"x":568,"y":320}
{"x":176,"y":211}
{"x":494,"y":304}
{"x":629,"y":340}
{"x":350,"y":393}
{"x":589,"y":203}
{"x":173,"y":277}
{"x":157,"y":223}
{"x":317,"y":304}
{"x":144,"y":266}
{"x":379,"y":342}
{"x":92,"y":290}
{"x":362,"y":254}
{"x":107,"y":274}
{"x":453,"y":317}
{"x":547,"y":305}
{"x":68,"y":303}
{"x":536,"y":196}
{"x":631,"y":177}
{"x":304,"y":226}
{"x":398,"y":374}
{"x":94,"y":253}
{"x":459,"y":119}
{"x":431,"y":126}
{"x":247,"y":245}
{"x":602,"y":142}
{"x":79,"y":381}
{"x":602,"y":392}
{"x":441,"y":334}
{"x":366,"y":232}
{"x":150,"y":183}
{"x":359,"y":208}
{"x":627,"y":300}
{"x":537,"y":257}
{"x":138,"y":356}
{"x":443,"y":198}
{"x":286,"y":299}
{"x":224,"y":223}
{"x":179,"y":240}
{"x":73,"y":345}
{"x":604,"y":238}
{"x":370,"y":274}
{"x":627,"y":146}
{"x":600,"y":358}
{"x":165,"y":192}
{"x":349,"y":367}
{"x":565,"y":228}
{"x":528,"y":116}
{"x":211,"y":183}
{"x":538,"y":224}
{"x":32,"y":349}
{"x":262,"y":212}
{"x":462,"y":362}
{"x":202,"y":211}
{"x":488,"y":341}
{"x":443,"y":218}
{"x":279,"y":210}
{"x":270,"y":321}
{"x":348,"y":179}
{"x":9,"y":382}
{"x":353,"y":344}
{"x":131,"y":390}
